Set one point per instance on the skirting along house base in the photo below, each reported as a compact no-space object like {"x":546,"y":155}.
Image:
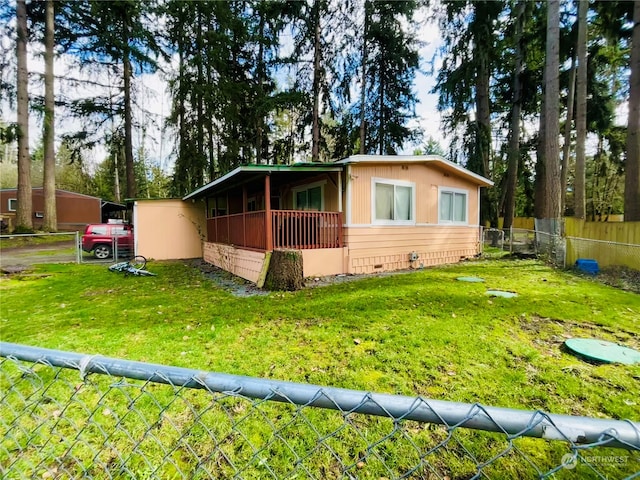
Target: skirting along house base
{"x":364,"y":214}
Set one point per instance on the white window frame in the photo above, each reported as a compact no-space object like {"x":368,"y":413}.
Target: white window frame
{"x":442,"y":190}
{"x":302,"y":188}
{"x":394,"y":183}
{"x":12,"y":201}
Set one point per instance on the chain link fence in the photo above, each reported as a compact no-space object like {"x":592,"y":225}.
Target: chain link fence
{"x":31,"y":249}
{"x":606,"y":253}
{"x":65,"y":415}
{"x":117,"y":253}
{"x":25,"y":250}
{"x":549,"y":242}
{"x":525,"y":243}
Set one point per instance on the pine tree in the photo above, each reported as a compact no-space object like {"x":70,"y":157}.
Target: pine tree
{"x":632,"y":174}
{"x":551,"y":116}
{"x":24,"y":221}
{"x":50,"y":219}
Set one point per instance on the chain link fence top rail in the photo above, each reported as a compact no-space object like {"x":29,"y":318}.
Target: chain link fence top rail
{"x":66,"y":415}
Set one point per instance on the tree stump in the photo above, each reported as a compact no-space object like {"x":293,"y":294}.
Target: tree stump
{"x":285,"y":271}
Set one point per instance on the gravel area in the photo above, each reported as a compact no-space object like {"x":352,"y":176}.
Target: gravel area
{"x":240,"y":287}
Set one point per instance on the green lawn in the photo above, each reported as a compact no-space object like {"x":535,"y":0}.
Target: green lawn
{"x":422,"y":333}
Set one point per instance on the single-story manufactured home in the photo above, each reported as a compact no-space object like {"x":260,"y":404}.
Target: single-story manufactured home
{"x":73,"y":210}
{"x":363,"y":214}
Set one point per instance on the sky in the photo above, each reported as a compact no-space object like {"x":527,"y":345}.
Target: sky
{"x":155,"y":99}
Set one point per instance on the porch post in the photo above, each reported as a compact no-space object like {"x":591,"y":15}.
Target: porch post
{"x":268,"y":223}
{"x":228,"y":221}
{"x":340,"y":191}
{"x":244,"y":216}
{"x":215,"y":221}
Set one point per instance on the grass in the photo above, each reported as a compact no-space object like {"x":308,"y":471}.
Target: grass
{"x":422,"y":333}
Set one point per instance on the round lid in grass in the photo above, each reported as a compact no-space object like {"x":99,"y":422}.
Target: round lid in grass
{"x":602,"y":351}
{"x":470,"y":279}
{"x":500,"y":293}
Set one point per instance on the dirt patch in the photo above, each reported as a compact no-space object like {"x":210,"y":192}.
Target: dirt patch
{"x":619,"y":277}
{"x":549,"y":334}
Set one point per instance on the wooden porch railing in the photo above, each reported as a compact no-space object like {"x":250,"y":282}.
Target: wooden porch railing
{"x":290,"y":228}
{"x":241,"y":229}
{"x":305,"y":230}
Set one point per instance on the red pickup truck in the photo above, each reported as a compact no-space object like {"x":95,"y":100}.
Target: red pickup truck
{"x":100,"y":238}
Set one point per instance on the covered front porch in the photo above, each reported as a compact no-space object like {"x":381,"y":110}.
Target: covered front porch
{"x":267,"y":207}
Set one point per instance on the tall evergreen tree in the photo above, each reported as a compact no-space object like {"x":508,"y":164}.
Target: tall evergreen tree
{"x":551,"y":116}
{"x":392,"y":61}
{"x":516,"y":117}
{"x":463,"y":84}
{"x":632,"y":174}
{"x":50,"y":219}
{"x":114,"y":40}
{"x":24,"y":221}
{"x":581,"y":110}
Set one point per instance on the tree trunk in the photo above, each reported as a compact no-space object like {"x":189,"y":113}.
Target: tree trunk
{"x":514,"y":140}
{"x":381,"y":124}
{"x":50,"y":220}
{"x":24,"y":222}
{"x":128,"y":123}
{"x":566,"y":147}
{"x":363,"y":82}
{"x":116,"y":181}
{"x":483,"y":130}
{"x":261,"y":74}
{"x":199,"y":92}
{"x":315,"y":128}
{"x":540,"y":199}
{"x":632,"y":174}
{"x":581,"y":110}
{"x":552,"y":91}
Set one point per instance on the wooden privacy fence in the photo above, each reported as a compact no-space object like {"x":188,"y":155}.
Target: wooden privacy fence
{"x":619,"y":232}
{"x":608,"y":243}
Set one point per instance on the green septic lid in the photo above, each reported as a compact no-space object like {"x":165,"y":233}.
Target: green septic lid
{"x":470,"y":279}
{"x":500,"y":293}
{"x":602,"y":351}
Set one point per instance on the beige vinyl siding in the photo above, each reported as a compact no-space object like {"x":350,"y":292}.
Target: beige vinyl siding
{"x":375,"y":249}
{"x":427,"y":179}
{"x":169,"y":229}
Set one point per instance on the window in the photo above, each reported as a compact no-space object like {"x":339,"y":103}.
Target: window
{"x":13,"y":204}
{"x":309,"y":197}
{"x":99,"y":230}
{"x":219,"y":207}
{"x":393,"y":202}
{"x":453,"y":206}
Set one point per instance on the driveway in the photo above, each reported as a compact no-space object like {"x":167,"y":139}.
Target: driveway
{"x":60,"y":252}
